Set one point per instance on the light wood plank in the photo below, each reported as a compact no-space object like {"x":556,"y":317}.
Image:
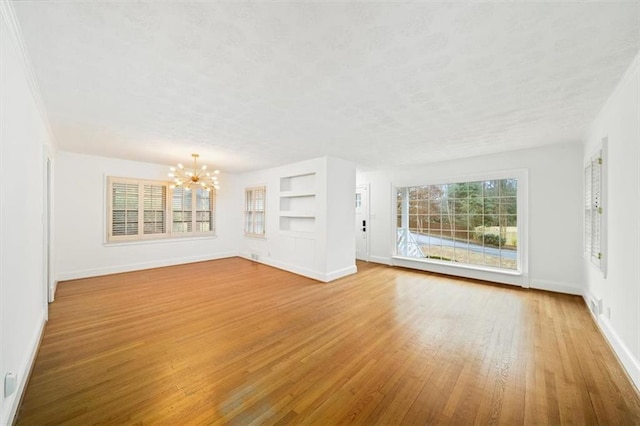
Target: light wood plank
{"x":232,"y":341}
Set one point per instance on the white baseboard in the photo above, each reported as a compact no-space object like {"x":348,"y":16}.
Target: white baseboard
{"x":300,"y":270}
{"x":85,"y":273}
{"x":629,"y":362}
{"x":306,"y":272}
{"x":556,"y":286}
{"x":52,"y":291}
{"x":380,"y":259}
{"x":622,"y":352}
{"x":13,"y":401}
{"x":331,"y":276}
{"x":516,"y":279}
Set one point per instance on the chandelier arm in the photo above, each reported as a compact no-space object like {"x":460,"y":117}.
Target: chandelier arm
{"x":196,"y":177}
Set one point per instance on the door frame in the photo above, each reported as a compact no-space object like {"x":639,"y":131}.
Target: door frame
{"x":47,"y":225}
{"x":366,"y":188}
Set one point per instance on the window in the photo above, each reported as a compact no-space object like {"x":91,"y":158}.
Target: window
{"x":181,"y":211}
{"x":155,"y":212}
{"x":593,"y":209}
{"x":139,"y":209}
{"x":466,"y":223}
{"x":192,"y":211}
{"x":254,"y":211}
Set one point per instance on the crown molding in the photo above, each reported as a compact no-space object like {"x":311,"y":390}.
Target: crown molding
{"x":13,"y":26}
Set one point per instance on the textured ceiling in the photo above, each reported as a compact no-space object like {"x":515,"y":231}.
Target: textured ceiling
{"x":253,"y":85}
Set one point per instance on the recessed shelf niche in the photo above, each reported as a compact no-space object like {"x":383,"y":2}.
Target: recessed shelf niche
{"x":298,"y":203}
{"x":305,"y":183}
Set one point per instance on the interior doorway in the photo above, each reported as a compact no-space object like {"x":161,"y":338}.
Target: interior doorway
{"x":362,"y":222}
{"x":47,"y":258}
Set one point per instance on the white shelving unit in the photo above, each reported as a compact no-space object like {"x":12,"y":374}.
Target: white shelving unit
{"x":311,"y":228}
{"x":297,"y":204}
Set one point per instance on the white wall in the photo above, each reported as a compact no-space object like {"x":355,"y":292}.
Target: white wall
{"x":23,"y":134}
{"x":340,"y":228}
{"x":620,"y":291}
{"x":555,"y":206}
{"x":327,"y":253}
{"x":80,"y":229}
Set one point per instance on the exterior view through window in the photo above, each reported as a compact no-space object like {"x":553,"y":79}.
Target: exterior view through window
{"x":470,"y":223}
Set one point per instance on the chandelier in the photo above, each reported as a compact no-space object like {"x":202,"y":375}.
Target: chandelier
{"x":198,"y":177}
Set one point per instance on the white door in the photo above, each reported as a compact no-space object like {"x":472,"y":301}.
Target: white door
{"x":362,"y":222}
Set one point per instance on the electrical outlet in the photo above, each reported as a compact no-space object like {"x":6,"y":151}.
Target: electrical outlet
{"x":10,"y":384}
{"x":608,"y":312}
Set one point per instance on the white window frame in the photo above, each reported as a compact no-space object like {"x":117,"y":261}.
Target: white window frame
{"x":168,"y":210}
{"x":595,"y":207}
{"x":521,"y":175}
{"x":194,"y":204}
{"x":249,"y":225}
{"x":140,"y":235}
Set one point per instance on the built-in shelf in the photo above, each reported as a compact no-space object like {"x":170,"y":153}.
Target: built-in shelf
{"x":292,"y":213}
{"x":295,"y":194}
{"x":298,"y":224}
{"x":297,"y":203}
{"x":298,"y":183}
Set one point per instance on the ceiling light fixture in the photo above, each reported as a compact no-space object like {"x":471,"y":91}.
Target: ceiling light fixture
{"x":198,"y":177}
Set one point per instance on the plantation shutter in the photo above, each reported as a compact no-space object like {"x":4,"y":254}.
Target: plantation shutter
{"x":204,"y":210}
{"x":137,"y":209}
{"x":155,"y":201}
{"x":182,"y":210}
{"x":596,"y":195}
{"x":593,"y":220}
{"x":254,"y":211}
{"x":140,"y":210}
{"x":248,"y":211}
{"x":259,"y":197}
{"x":588,"y":221}
{"x":124,"y":209}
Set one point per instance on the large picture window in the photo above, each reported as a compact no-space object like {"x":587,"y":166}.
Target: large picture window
{"x":140,"y":209}
{"x":466,"y":223}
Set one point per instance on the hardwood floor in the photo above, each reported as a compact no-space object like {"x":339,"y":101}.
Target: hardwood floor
{"x":239,"y":342}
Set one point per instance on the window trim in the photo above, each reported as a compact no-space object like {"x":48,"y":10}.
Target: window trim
{"x":175,"y":235}
{"x":263,"y":187}
{"x":522,"y":175}
{"x":141,"y":238}
{"x":599,"y":153}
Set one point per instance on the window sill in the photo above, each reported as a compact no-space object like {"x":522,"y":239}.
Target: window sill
{"x":459,"y":266}
{"x":255,"y":236}
{"x":158,"y":240}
